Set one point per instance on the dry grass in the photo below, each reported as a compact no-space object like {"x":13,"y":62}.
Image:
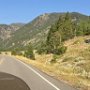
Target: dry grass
{"x":71,"y":66}
{"x":58,"y":72}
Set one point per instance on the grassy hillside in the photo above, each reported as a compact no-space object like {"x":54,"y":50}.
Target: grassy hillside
{"x":36,"y":31}
{"x":70,"y":63}
{"x":72,"y":67}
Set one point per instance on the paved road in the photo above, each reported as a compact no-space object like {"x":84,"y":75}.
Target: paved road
{"x":34,"y":78}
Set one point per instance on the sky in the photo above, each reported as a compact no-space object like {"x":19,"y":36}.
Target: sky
{"x":14,"y":11}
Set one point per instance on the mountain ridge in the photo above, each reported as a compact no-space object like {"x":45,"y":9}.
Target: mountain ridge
{"x":36,"y":31}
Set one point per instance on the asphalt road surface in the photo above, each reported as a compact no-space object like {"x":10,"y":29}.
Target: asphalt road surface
{"x":34,"y":78}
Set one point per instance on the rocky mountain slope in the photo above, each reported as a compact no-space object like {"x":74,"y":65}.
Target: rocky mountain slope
{"x":35,"y":31}
{"x":7,"y":30}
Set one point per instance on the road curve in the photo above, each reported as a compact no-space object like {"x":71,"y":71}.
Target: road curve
{"x":34,"y":78}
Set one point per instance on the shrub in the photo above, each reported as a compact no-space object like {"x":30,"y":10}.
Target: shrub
{"x":43,"y":49}
{"x":53,"y":60}
{"x":16,"y":52}
{"x":29,"y":52}
{"x":60,"y":50}
{"x":13,"y":52}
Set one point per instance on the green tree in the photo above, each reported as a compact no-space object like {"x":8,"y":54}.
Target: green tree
{"x":67,"y":28}
{"x":29,"y":52}
{"x":54,"y":35}
{"x":84,"y":27}
{"x":87,"y":32}
{"x":80,"y":29}
{"x":42,"y":49}
{"x":62,"y":30}
{"x":16,"y":51}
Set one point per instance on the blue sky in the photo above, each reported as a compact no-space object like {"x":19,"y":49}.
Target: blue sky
{"x":12,"y":11}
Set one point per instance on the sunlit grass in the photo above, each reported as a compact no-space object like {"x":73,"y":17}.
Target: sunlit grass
{"x":73,"y":66}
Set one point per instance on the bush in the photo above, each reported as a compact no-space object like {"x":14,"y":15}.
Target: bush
{"x":60,"y":50}
{"x":16,"y":52}
{"x":20,"y":53}
{"x":53,"y":60}
{"x":43,"y":49}
{"x":47,"y":49}
{"x":13,"y":52}
{"x":29,"y":52}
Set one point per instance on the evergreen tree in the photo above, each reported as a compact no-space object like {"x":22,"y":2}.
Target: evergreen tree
{"x":59,"y":32}
{"x":80,"y":29}
{"x":67,"y":30}
{"x":87,"y":32}
{"x":42,"y":49}
{"x":29,"y":52}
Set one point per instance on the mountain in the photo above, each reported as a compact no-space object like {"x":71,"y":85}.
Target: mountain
{"x":36,"y":30}
{"x":6,"y":30}
{"x":17,"y":26}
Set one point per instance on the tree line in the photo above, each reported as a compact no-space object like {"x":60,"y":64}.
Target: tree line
{"x":65,"y":28}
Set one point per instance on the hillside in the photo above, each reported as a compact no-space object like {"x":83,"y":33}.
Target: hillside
{"x":6,"y":30}
{"x":64,"y":55}
{"x":36,"y":30}
{"x":72,"y":67}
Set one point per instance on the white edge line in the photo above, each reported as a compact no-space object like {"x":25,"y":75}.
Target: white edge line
{"x":40,"y":75}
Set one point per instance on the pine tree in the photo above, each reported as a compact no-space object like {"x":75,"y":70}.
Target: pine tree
{"x":56,"y":35}
{"x":67,"y":30}
{"x":29,"y":52}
